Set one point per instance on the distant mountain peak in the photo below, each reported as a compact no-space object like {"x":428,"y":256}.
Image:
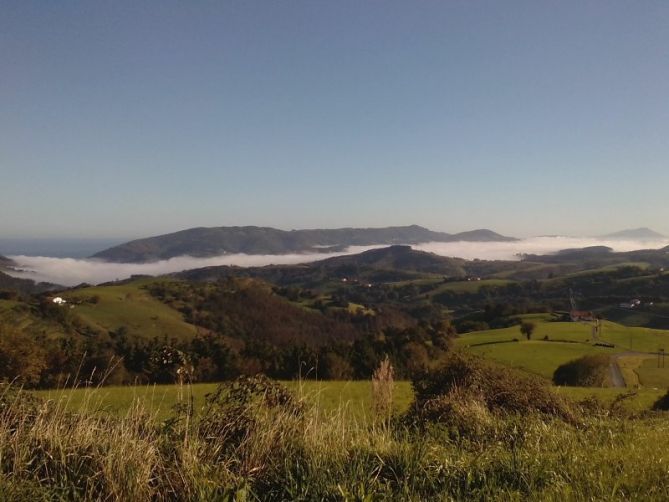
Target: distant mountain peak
{"x":641,"y":233}
{"x":482,"y":234}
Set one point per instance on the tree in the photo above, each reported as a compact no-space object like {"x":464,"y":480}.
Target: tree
{"x":335,"y":367}
{"x":527,"y":328}
{"x":416,"y":357}
{"x":22,"y":357}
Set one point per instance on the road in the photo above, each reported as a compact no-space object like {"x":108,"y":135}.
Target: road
{"x":617,"y":379}
{"x":616,"y":374}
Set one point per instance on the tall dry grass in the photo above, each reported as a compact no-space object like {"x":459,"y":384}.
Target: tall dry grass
{"x":383,"y":382}
{"x":255,"y":441}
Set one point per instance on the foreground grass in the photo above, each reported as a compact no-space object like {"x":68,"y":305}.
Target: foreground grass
{"x":326,"y":396}
{"x":245,"y":451}
{"x":633,"y":400}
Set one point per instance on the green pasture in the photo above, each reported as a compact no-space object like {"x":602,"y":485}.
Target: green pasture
{"x":439,"y":286}
{"x":623,"y":337}
{"x":328,"y":396}
{"x":563,"y":331}
{"x":538,"y":357}
{"x":128,"y":305}
{"x":648,"y":371}
{"x":555,"y":343}
{"x":470,"y":287}
{"x":600,"y":270}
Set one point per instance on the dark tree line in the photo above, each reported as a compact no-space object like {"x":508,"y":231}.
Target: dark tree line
{"x":243,"y":328}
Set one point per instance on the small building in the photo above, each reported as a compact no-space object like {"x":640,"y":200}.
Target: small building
{"x":59,"y":301}
{"x":581,"y":315}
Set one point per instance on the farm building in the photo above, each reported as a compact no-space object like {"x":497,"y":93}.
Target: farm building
{"x":581,"y":315}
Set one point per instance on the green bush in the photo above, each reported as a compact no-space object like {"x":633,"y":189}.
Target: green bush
{"x":499,"y":389}
{"x":587,"y":371}
{"x":662,"y":404}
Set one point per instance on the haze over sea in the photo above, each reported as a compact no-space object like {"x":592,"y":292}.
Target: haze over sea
{"x":70,"y":271}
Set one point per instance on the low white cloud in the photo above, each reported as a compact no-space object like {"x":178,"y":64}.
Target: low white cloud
{"x":71,"y":271}
{"x":532,"y":245}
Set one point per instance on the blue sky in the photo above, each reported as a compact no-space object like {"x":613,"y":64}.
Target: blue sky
{"x":123,"y":119}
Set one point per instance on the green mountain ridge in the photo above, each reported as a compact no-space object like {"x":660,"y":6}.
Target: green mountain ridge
{"x":394,"y":263}
{"x":205,"y":242}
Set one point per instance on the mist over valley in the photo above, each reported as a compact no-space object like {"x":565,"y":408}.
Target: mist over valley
{"x":73,"y":271}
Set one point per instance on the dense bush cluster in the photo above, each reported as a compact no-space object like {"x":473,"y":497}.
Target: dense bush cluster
{"x":466,"y":379}
{"x":586,"y":371}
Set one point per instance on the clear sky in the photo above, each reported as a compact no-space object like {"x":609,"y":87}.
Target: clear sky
{"x":138,"y":118}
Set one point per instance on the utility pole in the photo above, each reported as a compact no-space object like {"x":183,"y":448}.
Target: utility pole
{"x":571,"y":300}
{"x":596,"y":330}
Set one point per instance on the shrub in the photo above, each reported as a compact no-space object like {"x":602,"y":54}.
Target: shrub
{"x":464,"y":414}
{"x":587,"y":371}
{"x":237,"y":411}
{"x":662,"y":404}
{"x":499,"y":389}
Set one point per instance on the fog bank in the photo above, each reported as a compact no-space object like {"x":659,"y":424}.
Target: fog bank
{"x":71,"y":271}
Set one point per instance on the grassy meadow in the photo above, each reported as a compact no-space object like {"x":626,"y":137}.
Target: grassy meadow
{"x":326,"y":396}
{"x":130,"y":306}
{"x":355,"y":397}
{"x":566,"y":342}
{"x":555,"y":343}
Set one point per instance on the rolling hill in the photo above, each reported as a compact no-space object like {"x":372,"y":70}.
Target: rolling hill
{"x":342,"y":313}
{"x":398,"y":257}
{"x":203,"y":242}
{"x":394,"y":263}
